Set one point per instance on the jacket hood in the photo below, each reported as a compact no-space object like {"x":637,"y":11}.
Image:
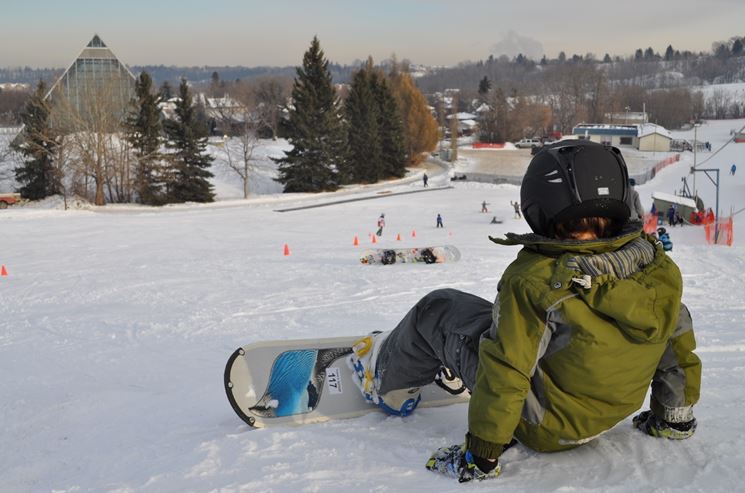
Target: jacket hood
{"x":628,"y":278}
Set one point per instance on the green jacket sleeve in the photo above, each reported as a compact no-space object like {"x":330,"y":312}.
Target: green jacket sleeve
{"x":677,"y":381}
{"x":507,"y":359}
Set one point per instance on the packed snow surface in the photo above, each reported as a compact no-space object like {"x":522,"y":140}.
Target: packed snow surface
{"x":116,"y":323}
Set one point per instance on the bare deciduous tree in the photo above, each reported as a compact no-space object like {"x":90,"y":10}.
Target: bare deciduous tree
{"x":93,"y":130}
{"x":240,"y":148}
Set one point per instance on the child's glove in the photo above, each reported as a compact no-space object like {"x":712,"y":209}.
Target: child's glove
{"x":458,"y":462}
{"x":656,"y":427}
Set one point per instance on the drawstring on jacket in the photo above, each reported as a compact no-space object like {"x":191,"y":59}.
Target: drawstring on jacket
{"x":585,"y":281}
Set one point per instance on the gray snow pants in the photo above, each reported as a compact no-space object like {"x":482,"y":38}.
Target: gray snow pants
{"x":442,"y":329}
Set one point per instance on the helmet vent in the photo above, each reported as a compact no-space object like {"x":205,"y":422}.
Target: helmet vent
{"x":556,"y":180}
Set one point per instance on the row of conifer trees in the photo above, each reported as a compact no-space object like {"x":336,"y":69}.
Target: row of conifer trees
{"x":170,"y":161}
{"x":382,"y":126}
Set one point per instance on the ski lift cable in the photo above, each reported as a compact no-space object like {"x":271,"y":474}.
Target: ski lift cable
{"x":731,"y":139}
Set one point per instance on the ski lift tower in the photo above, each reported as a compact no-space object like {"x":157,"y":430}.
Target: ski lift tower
{"x":706,"y":171}
{"x":695,"y":145}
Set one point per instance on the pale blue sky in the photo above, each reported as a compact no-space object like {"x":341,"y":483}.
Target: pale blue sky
{"x":46,"y":33}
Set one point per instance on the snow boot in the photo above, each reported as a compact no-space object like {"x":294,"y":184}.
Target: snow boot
{"x":657,"y":427}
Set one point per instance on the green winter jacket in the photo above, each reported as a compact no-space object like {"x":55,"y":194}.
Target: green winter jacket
{"x":580,"y":329}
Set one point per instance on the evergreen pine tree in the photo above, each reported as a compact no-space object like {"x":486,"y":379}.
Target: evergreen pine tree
{"x":37,"y":174}
{"x":484,"y":87}
{"x":669,"y":53}
{"x":144,"y":133}
{"x":737,"y":47}
{"x":188,"y":141}
{"x":391,"y":129}
{"x":364,"y":163}
{"x":314,"y":128}
{"x":165,"y":91}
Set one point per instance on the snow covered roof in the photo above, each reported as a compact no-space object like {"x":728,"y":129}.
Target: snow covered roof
{"x":674,"y":199}
{"x":14,"y":86}
{"x":605,"y":129}
{"x":462,"y":116}
{"x":652,"y":128}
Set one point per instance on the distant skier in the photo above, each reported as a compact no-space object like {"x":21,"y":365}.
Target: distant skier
{"x":555,"y":361}
{"x":483,"y":206}
{"x":439,"y":221}
{"x":494,"y":220}
{"x":516,"y":205}
{"x":425,"y":178}
{"x":381,"y":225}
{"x":733,"y":169}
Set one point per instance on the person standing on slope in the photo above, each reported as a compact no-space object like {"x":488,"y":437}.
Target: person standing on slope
{"x":571,"y":344}
{"x":381,"y":225}
{"x":439,"y":221}
{"x":516,"y":205}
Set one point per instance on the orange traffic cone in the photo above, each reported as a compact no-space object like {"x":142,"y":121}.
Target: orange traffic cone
{"x":3,"y":271}
{"x":374,"y":238}
{"x":356,"y":241}
{"x":398,"y":237}
{"x":413,"y":233}
{"x":287,"y":250}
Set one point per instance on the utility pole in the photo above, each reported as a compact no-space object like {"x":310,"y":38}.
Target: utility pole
{"x":695,"y":134}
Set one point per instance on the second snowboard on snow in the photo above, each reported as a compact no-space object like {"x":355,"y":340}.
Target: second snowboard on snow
{"x":427,"y":255}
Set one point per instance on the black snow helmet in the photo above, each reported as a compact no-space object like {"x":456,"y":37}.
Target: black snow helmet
{"x":572,"y":179}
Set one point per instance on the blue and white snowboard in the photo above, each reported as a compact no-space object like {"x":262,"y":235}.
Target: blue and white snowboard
{"x":303,"y":381}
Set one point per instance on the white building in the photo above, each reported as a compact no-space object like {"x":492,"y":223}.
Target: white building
{"x":643,"y":136}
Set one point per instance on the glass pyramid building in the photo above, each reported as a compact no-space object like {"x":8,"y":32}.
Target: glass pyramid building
{"x":94,"y":79}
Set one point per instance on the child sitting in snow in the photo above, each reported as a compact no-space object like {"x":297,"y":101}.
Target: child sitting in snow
{"x":571,"y":344}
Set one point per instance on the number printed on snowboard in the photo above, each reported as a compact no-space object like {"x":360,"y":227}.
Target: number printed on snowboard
{"x":333,"y":380}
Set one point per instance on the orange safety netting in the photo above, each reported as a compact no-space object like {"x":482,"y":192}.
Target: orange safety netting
{"x":720,"y":233}
{"x":650,"y":223}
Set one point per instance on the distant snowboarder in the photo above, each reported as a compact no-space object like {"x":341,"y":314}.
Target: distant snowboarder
{"x":733,"y":169}
{"x":516,"y":205}
{"x":439,"y":221}
{"x":483,"y":206}
{"x":381,"y":225}
{"x":425,"y":178}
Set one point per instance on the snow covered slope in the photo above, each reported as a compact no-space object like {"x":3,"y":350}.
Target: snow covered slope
{"x":115,"y":325}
